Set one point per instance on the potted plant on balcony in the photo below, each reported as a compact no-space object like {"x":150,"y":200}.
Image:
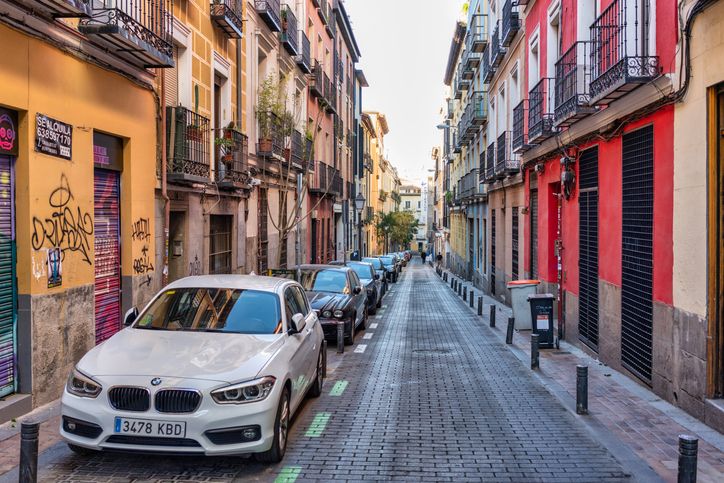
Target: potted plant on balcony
{"x":265,"y":107}
{"x":448,"y":198}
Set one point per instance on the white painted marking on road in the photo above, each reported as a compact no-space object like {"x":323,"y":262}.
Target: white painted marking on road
{"x":360,"y":348}
{"x":384,"y":306}
{"x":368,"y":335}
{"x":373,"y":326}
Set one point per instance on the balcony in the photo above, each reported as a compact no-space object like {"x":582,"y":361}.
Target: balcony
{"x":511,"y":22}
{"x":468,"y":185}
{"x":61,"y":8}
{"x":289,"y":35}
{"x":457,"y":87}
{"x":540,"y":111}
{"x":324,"y":12}
{"x":271,"y":137}
{"x":450,"y":109}
{"x":187,"y":146}
{"x":228,"y":15}
{"x":330,"y":94}
{"x":477,"y":38}
{"x":497,"y":51}
{"x":369,"y":214}
{"x":232,"y":167}
{"x":488,"y":70}
{"x":471,"y":61}
{"x":520,"y":138}
{"x":457,"y":144}
{"x":506,"y":164}
{"x":137,"y":31}
{"x":490,"y":163}
{"x":464,"y":82}
{"x":270,"y":12}
{"x":481,"y":167}
{"x":572,"y":82}
{"x":478,"y":108}
{"x":297,"y":152}
{"x":327,"y":181}
{"x":316,"y":82}
{"x":304,"y":59}
{"x":621,"y":59}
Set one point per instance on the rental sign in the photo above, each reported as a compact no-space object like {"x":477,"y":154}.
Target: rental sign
{"x":53,"y":137}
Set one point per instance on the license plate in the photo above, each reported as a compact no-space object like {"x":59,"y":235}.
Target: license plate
{"x":149,"y":427}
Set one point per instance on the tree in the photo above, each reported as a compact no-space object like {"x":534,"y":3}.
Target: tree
{"x":397,"y":228}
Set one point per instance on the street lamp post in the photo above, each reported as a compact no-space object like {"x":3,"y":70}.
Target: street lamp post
{"x":359,"y":204}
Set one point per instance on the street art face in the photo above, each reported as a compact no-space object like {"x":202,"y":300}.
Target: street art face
{"x":7,"y":133}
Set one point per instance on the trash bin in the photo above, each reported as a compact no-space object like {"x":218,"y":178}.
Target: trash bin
{"x":541,"y":313}
{"x":519,"y":292}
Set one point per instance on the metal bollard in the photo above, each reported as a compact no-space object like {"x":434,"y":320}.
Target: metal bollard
{"x":28,"y":452}
{"x":460,"y":289}
{"x":455,"y":285}
{"x":465,"y":294}
{"x":534,"y":357}
{"x":340,"y":337}
{"x":480,"y":305}
{"x":581,"y":389}
{"x":472,"y":299}
{"x":492,"y":315}
{"x":688,"y":449}
{"x":509,"y":332}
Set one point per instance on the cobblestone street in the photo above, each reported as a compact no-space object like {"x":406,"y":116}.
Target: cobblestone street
{"x":427,"y":393}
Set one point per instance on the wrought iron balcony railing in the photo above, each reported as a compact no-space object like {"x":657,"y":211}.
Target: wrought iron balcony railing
{"x":187,"y":146}
{"x":478,"y":108}
{"x":289,"y":35}
{"x":304,"y":59}
{"x":572,"y":82}
{"x":477,"y":37}
{"x":487,"y":70}
{"x":270,"y":13}
{"x":327,"y":180}
{"x":490,"y":163}
{"x":457,"y":143}
{"x":324,"y":11}
{"x":511,"y":22}
{"x":228,"y":16}
{"x":271,"y":136}
{"x":481,"y":167}
{"x":138,"y":31}
{"x":621,"y":59}
{"x":471,"y":61}
{"x":464,"y":82}
{"x":520,"y":136}
{"x":297,"y":151}
{"x":540,"y":111}
{"x":457,"y":87}
{"x":497,"y":51}
{"x":232,"y":166}
{"x":506,"y":163}
{"x":468,"y":185}
{"x":316,"y":81}
{"x":369,"y":213}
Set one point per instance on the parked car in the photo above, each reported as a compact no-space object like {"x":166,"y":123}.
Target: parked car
{"x":380,"y":270}
{"x":371,"y":282}
{"x":213,"y":365}
{"x":336,"y":294}
{"x":391,"y":267}
{"x":403,"y":259}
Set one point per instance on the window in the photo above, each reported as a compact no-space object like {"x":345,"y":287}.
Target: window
{"x":220,"y":244}
{"x":533,"y":67}
{"x":407,"y":205}
{"x":292,"y":304}
{"x":419,"y":205}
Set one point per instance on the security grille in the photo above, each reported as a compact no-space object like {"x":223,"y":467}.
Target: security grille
{"x":514,"y":245}
{"x":492,"y":252}
{"x":263,"y":251}
{"x":588,"y":248}
{"x":637,"y":253}
{"x":8,"y":284}
{"x":534,"y":234}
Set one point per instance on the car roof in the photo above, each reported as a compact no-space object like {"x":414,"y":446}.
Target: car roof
{"x":241,"y":282}
{"x":319,"y":266}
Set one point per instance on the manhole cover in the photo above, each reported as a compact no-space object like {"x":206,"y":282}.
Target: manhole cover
{"x":431,"y":351}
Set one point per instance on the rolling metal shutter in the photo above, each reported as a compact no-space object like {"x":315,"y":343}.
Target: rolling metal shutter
{"x":170,"y":85}
{"x":588,"y":248}
{"x":263,"y":250}
{"x":637,"y":252}
{"x":492,"y":252}
{"x":534,"y":234}
{"x":514,"y":249}
{"x":8,"y":289}
{"x":107,"y":254}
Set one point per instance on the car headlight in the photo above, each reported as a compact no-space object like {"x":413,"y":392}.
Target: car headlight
{"x":82,"y":386}
{"x":245,"y":392}
{"x":339,"y":314}
{"x":327,"y":314}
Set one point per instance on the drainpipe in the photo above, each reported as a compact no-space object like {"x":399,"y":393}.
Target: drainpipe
{"x":164,"y":187}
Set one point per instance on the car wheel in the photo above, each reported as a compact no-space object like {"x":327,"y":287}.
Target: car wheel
{"x":379,"y":303}
{"x":373,"y":310}
{"x":281,"y":431}
{"x":317,"y":385}
{"x":80,"y":450}
{"x":349,"y":340}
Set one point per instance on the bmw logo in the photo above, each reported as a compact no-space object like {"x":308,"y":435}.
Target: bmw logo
{"x":155,"y":381}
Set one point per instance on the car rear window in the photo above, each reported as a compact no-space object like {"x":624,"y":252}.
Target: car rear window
{"x":374,"y":261}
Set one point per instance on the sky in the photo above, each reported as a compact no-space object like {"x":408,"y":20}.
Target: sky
{"x":404,"y":46}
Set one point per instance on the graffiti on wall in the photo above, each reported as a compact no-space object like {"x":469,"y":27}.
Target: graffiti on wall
{"x":141,"y":230}
{"x":68,"y":227}
{"x":142,"y":265}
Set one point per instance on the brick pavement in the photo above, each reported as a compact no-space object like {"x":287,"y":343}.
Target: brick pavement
{"x":434,"y":396}
{"x":645,"y":423}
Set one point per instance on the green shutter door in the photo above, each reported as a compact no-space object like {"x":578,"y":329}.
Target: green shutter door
{"x":8,"y":290}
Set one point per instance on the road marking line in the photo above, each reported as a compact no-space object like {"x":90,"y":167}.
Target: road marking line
{"x":384,"y":306}
{"x":338,"y":388}
{"x":360,"y":348}
{"x":373,"y":326}
{"x":288,"y":474}
{"x":318,"y":424}
{"x":368,"y":335}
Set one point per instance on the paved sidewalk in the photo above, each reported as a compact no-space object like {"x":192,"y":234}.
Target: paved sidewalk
{"x":647,"y":424}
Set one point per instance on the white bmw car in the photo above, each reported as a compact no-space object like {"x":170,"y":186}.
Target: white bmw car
{"x":213,"y":365}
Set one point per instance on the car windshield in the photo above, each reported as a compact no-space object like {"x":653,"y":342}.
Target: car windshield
{"x":334,"y":281}
{"x":214,"y":310}
{"x":363,"y":271}
{"x":387,"y":260}
{"x":374,"y":261}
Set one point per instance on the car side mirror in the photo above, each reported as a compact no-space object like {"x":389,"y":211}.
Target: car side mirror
{"x":297,"y":324}
{"x":377,"y":276}
{"x":130,"y":317}
{"x":357,"y":290}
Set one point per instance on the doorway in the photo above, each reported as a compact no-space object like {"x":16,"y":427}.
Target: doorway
{"x":715,"y":379}
{"x":107,"y":244}
{"x":8,"y":287}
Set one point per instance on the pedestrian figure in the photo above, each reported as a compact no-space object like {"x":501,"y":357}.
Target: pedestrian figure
{"x":424,"y":256}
